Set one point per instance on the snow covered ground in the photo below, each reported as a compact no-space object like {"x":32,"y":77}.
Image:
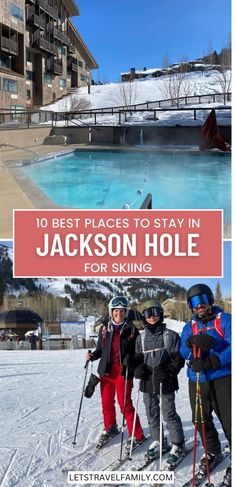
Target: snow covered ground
{"x":112,"y":94}
{"x":40,"y":393}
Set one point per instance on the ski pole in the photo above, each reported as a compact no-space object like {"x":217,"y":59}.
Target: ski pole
{"x":134,"y":423}
{"x":203,"y":433}
{"x":161,"y":427}
{"x":198,"y":406}
{"x":81,"y":400}
{"x":195,"y":420}
{"x":124,"y":407}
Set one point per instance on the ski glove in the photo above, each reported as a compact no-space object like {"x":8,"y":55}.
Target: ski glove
{"x":161,"y":375}
{"x":205,"y":342}
{"x":141,"y":372}
{"x":211,"y":362}
{"x":90,"y":388}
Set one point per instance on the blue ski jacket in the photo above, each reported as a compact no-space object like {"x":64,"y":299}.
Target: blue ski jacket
{"x":221,"y":347}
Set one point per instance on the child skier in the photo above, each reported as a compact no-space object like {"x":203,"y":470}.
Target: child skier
{"x":157,"y":352}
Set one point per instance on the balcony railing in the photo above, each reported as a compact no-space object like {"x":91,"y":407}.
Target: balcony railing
{"x":58,"y":34}
{"x":71,"y":49}
{"x":9,"y":45}
{"x":39,"y":21}
{"x":54,"y":65}
{"x":43,"y":4}
{"x":72,"y":64}
{"x":33,"y":18}
{"x":44,"y":44}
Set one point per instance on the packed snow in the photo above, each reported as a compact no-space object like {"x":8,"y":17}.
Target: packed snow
{"x":40,"y":395}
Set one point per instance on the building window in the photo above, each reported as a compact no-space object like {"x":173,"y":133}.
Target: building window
{"x":28,"y":94}
{"x":29,"y":75}
{"x":62,"y":83}
{"x":63,"y":51}
{"x":29,"y":56}
{"x":80,"y":64}
{"x":10,"y":85}
{"x":5,"y":61}
{"x":83,"y":78}
{"x":48,"y":78}
{"x":16,"y":12}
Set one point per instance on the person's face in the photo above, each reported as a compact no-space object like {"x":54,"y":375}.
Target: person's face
{"x":118,"y":315}
{"x":152,"y":320}
{"x":202,"y":310}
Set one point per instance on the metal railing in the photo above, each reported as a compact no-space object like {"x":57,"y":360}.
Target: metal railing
{"x":147,"y":202}
{"x":6,"y":163}
{"x":175,"y":102}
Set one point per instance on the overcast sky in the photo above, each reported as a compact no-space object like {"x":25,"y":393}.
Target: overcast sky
{"x":124,"y":34}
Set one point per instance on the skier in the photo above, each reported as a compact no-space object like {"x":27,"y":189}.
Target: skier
{"x":157,"y":352}
{"x":116,"y":350}
{"x":209,"y":331}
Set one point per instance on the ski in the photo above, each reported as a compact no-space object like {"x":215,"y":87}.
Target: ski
{"x":148,"y":461}
{"x":200,"y":477}
{"x":115,"y":465}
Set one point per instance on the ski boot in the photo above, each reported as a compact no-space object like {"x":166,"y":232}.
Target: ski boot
{"x":213,"y":460}
{"x":227,"y":477}
{"x":107,"y":436}
{"x":154,"y":449}
{"x":136,"y":443}
{"x":176,"y":454}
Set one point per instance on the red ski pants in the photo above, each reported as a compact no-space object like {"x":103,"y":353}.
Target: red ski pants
{"x":114,"y":384}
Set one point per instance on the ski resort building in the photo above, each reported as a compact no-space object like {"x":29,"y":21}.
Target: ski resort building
{"x":42,"y":55}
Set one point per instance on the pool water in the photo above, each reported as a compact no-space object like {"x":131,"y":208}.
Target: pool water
{"x":118,"y":179}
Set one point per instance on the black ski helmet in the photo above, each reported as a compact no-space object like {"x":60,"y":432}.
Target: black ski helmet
{"x":200,"y":289}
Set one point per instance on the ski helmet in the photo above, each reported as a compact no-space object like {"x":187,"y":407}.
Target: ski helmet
{"x":200,"y":290}
{"x":152,"y":307}
{"x":119,"y":302}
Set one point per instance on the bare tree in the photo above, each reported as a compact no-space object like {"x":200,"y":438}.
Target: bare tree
{"x":175,"y":86}
{"x":224,"y":76}
{"x":127,"y":94}
{"x":79,"y":103}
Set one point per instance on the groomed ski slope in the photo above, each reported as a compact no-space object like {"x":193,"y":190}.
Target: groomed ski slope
{"x":40,"y":393}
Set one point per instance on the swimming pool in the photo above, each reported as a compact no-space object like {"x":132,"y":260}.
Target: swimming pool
{"x":118,"y":179}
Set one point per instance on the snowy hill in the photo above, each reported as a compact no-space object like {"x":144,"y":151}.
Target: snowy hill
{"x":112,"y":94}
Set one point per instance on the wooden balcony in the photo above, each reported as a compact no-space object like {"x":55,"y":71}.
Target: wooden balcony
{"x":58,"y":34}
{"x":34,"y":19}
{"x":72,"y":64}
{"x":71,"y":49}
{"x":54,"y":65}
{"x":9,"y":45}
{"x":44,"y":5}
{"x":44,"y":44}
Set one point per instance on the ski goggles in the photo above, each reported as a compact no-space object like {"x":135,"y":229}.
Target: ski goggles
{"x":198,"y":299}
{"x":119,"y":302}
{"x":147,"y":313}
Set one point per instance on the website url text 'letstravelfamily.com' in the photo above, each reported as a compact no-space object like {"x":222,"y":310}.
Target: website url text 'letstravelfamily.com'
{"x":78,"y":477}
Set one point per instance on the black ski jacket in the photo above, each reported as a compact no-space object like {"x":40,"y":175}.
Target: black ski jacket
{"x":128,"y":335}
{"x":161,"y":349}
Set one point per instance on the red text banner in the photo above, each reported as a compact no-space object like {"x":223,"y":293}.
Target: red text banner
{"x":132,"y":243}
